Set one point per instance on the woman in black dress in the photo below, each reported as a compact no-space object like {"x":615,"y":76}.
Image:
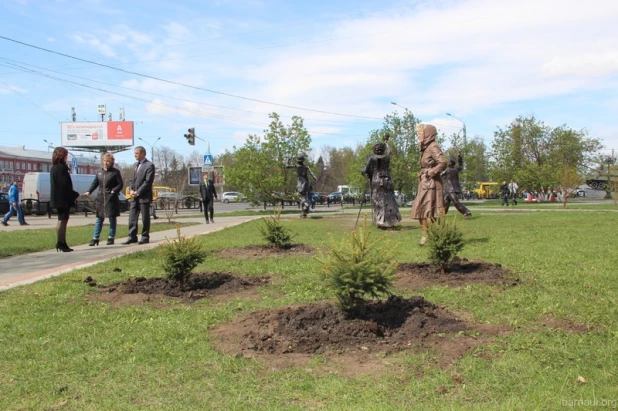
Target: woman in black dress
{"x":62,"y":195}
{"x":107,"y":204}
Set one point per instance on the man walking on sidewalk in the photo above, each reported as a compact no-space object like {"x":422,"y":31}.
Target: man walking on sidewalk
{"x":513,"y":187}
{"x":15,"y":206}
{"x":208,"y":193}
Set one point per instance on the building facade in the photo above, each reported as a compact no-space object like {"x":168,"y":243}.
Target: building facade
{"x":15,"y":162}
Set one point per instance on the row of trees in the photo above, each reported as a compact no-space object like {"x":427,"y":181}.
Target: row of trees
{"x":533,"y":153}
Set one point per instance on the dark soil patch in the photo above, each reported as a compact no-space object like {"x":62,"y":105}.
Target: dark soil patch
{"x":357,"y":344}
{"x":419,"y":275}
{"x":202,"y":285}
{"x":265,"y":251}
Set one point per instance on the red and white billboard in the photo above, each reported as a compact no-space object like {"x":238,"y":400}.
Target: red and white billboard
{"x":96,"y":134}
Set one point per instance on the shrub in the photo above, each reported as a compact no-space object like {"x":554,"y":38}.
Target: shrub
{"x":181,"y":256}
{"x":359,"y":267}
{"x":444,"y":241}
{"x":274,"y":232}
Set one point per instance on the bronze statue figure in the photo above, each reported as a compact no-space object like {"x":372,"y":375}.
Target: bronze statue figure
{"x":453,"y":189}
{"x":376,"y":170}
{"x":303,"y":186}
{"x":429,"y":202}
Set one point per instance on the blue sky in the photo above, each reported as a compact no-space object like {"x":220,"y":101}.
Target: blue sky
{"x":485,"y":61}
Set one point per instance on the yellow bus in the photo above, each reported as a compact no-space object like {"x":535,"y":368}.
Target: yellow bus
{"x":156,"y":192}
{"x":486,"y":190}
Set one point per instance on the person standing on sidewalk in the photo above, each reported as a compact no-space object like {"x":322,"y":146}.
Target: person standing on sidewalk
{"x":107,"y":204}
{"x":140,"y":186}
{"x":513,"y":187}
{"x":15,"y":206}
{"x":62,"y":195}
{"x":504,"y":193}
{"x":208,"y":193}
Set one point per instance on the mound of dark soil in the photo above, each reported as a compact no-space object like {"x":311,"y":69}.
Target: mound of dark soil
{"x":375,"y":330}
{"x":197,"y":286}
{"x":462,"y":271}
{"x":265,"y":251}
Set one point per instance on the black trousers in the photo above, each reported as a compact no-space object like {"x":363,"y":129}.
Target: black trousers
{"x":208,"y":207}
{"x":135,"y":209}
{"x":452,"y":198}
{"x":505,"y":199}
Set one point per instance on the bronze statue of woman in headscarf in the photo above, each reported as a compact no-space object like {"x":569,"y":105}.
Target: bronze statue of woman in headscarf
{"x":429,"y":202}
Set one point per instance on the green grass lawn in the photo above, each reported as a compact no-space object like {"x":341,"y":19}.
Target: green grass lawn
{"x":58,"y":350}
{"x":21,"y":242}
{"x":580,"y":203}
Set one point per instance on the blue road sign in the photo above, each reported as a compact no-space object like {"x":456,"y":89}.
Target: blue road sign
{"x":207,"y":160}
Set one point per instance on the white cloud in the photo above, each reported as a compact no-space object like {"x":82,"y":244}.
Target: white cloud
{"x":473,"y":55}
{"x":585,"y":65}
{"x":7,"y":89}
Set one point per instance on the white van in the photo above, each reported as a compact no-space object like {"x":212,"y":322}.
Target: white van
{"x":35,"y":195}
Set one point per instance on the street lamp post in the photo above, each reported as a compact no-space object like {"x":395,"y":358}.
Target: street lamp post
{"x":465,"y":137}
{"x":609,"y":160}
{"x":150,"y":145}
{"x":205,"y":141}
{"x":398,"y":105}
{"x":49,"y":145}
{"x":465,"y":144}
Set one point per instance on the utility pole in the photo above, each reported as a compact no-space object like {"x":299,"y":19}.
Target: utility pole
{"x":610,"y":160}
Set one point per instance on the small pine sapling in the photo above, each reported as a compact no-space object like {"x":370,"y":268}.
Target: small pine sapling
{"x":274,"y":232}
{"x":359,"y":266}
{"x":180,"y":256}
{"x":444,"y":241}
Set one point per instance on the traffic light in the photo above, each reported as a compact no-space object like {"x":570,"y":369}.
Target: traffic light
{"x":191,"y":136}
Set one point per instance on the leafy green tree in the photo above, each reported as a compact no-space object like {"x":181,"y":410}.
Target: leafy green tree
{"x":405,"y":154}
{"x":536,"y":154}
{"x":334,"y":172}
{"x":258,"y":168}
{"x":475,"y":158}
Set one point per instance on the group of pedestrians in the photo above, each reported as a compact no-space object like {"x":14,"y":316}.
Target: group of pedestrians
{"x":509,"y":191}
{"x":107,"y":204}
{"x":109,"y":182}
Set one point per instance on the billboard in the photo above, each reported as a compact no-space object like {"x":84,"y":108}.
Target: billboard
{"x":97,"y":134}
{"x":195,"y":176}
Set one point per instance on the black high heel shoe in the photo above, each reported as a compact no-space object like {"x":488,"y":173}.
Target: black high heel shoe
{"x":63,"y":247}
{"x":94,"y":241}
{"x":110,"y":241}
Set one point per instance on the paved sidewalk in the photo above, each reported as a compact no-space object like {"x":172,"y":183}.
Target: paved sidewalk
{"x":29,"y":268}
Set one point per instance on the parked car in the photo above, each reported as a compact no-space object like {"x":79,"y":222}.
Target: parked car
{"x":320,"y":198}
{"x":335,"y":197}
{"x":124,"y":203}
{"x":232,"y":197}
{"x":4,"y":204}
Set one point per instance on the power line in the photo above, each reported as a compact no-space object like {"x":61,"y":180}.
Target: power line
{"x":30,"y":101}
{"x":20,"y":66}
{"x":184,"y":109}
{"x":182,"y":84}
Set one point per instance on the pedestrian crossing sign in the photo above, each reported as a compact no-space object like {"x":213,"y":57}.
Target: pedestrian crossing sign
{"x":207,"y":160}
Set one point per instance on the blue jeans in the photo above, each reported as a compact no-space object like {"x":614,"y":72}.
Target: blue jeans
{"x":20,"y":213}
{"x":98,"y":226}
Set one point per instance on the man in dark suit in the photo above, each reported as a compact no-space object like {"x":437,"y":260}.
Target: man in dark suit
{"x":140,"y":185}
{"x":208,"y":193}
